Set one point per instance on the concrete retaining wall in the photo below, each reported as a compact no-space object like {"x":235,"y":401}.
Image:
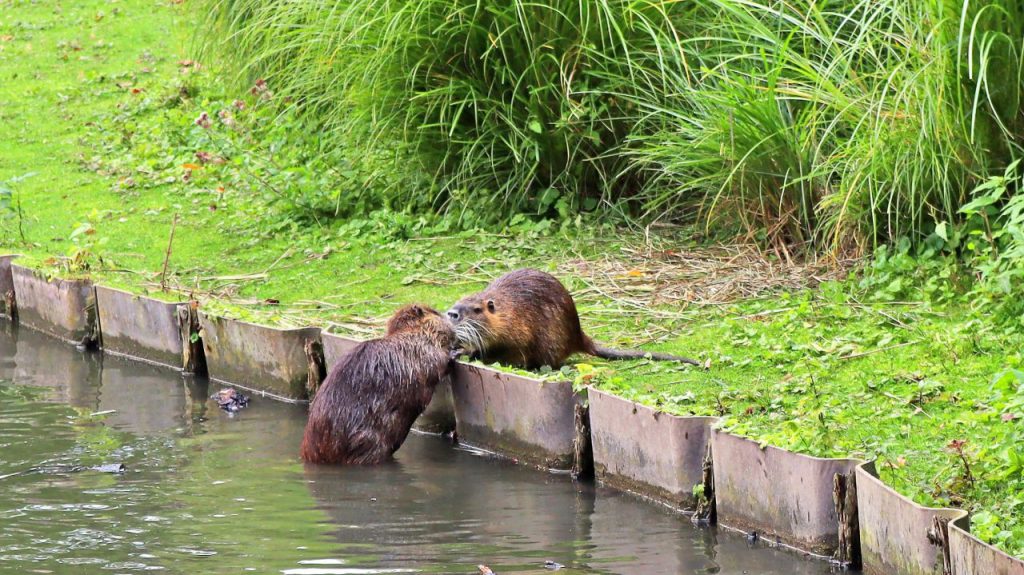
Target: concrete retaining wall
{"x":654,"y":454}
{"x":259,"y":358}
{"x":782,"y":495}
{"x":779,"y":494}
{"x":139,"y":327}
{"x":516,"y":416}
{"x":971,"y":556}
{"x":65,"y":309}
{"x":896,"y":534}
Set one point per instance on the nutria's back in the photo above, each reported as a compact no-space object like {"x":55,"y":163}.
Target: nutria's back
{"x":370,"y":399}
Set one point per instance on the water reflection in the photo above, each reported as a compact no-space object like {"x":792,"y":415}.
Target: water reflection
{"x":142,"y":397}
{"x":212,"y":493}
{"x":70,"y":376}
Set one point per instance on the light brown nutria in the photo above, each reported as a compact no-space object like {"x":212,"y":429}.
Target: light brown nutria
{"x":527,"y":318}
{"x":363,"y":411}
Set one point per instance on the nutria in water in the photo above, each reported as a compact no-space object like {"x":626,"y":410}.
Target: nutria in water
{"x":527,"y":318}
{"x":363,"y":411}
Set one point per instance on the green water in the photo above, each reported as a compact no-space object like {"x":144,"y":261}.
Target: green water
{"x":208,"y":493}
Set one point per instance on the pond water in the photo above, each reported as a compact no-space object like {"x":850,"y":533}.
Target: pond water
{"x":204,"y":492}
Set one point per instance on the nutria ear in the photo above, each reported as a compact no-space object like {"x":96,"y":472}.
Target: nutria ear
{"x":417,"y":310}
{"x":490,"y":305}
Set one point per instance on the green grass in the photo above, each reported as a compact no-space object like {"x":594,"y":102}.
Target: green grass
{"x":824,"y":125}
{"x":98,"y":106}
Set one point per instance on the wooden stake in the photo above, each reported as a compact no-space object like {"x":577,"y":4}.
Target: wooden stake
{"x":193,"y":358}
{"x":844,"y":495}
{"x":316,"y":369}
{"x":938,"y":535}
{"x":12,"y":306}
{"x":706,"y":513}
{"x":583,"y":448}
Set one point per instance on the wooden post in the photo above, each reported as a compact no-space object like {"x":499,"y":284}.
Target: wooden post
{"x":583,"y":448}
{"x":12,"y":305}
{"x":844,"y":495}
{"x":706,"y":514}
{"x":938,"y":535}
{"x":92,"y":340}
{"x":316,"y":370}
{"x":193,"y":358}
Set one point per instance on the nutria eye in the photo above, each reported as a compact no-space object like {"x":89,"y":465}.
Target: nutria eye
{"x":478,"y":310}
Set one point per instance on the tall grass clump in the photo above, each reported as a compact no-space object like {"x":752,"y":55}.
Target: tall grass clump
{"x":836,"y":124}
{"x":507,"y":106}
{"x":806,"y":124}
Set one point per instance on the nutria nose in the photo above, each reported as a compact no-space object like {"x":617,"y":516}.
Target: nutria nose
{"x":453,"y":315}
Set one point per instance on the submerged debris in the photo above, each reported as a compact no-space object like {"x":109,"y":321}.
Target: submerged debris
{"x":63,"y":469}
{"x":231,"y":400}
{"x":553,"y":566}
{"x":485,"y":570}
{"x":116,"y":468}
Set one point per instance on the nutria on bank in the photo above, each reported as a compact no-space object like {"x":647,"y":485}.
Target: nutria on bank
{"x":526,"y":318}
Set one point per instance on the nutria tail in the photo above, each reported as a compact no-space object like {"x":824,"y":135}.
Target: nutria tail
{"x":594,"y":348}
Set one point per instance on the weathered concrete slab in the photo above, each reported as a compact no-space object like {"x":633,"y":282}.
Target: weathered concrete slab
{"x":781,"y":495}
{"x":439,"y":416}
{"x":972,"y":556}
{"x":336,"y":346}
{"x":654,"y":454}
{"x":8,"y":307}
{"x":65,"y":309}
{"x":259,"y":358}
{"x":894,"y":531}
{"x":515,"y":416}
{"x":139,"y":327}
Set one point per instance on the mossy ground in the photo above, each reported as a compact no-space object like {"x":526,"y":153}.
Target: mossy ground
{"x":98,"y":102}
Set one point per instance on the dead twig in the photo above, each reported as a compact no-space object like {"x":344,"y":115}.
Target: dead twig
{"x":167,"y":255}
{"x":879,"y":350}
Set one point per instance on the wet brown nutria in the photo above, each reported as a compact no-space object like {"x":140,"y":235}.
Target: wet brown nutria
{"x":363,"y":411}
{"x":527,"y":318}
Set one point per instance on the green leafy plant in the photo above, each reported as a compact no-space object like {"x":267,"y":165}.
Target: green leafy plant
{"x":11,"y":212}
{"x":84,"y":254}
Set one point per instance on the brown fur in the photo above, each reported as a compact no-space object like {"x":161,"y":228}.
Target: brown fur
{"x":364,"y":410}
{"x":527,"y":318}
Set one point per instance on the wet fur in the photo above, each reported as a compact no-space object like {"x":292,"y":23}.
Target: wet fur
{"x":365,"y":408}
{"x":527,"y":318}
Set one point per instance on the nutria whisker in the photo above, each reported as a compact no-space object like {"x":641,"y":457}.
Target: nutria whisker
{"x":472,"y":335}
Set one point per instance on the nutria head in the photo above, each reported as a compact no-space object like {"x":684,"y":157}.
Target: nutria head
{"x":424,"y":320}
{"x":474,"y":318}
